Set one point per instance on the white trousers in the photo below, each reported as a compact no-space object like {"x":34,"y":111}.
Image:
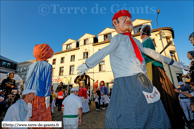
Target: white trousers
{"x":186,"y":104}
{"x":52,"y":106}
{"x":71,"y":126}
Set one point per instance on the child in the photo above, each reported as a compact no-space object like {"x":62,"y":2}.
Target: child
{"x":97,"y":102}
{"x":102,"y":101}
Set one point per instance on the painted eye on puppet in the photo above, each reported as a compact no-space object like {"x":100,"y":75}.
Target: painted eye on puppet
{"x":124,"y":17}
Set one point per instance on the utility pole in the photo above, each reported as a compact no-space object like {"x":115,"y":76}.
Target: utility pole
{"x":163,"y":46}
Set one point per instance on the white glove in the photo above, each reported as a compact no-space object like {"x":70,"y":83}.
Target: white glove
{"x":82,"y":69}
{"x":85,"y":100}
{"x":47,"y":101}
{"x":180,"y":65}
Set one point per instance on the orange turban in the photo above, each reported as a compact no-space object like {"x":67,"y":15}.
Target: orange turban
{"x":42,"y":52}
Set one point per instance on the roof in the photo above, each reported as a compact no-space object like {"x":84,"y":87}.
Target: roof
{"x":107,"y":28}
{"x":138,"y":22}
{"x":4,"y":58}
{"x":155,"y":30}
{"x":86,"y":35}
{"x":69,"y":40}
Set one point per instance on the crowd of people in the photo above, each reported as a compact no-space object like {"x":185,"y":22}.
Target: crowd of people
{"x":142,"y":95}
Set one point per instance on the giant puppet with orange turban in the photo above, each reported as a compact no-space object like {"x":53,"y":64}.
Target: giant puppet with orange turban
{"x":135,"y":103}
{"x":39,"y":78}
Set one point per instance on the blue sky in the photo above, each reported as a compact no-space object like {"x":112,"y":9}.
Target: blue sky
{"x":27,"y":23}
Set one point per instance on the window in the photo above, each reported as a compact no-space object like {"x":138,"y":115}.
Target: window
{"x":179,"y":77}
{"x":62,"y":59}
{"x":137,"y":29}
{"x":24,"y":68}
{"x":61,"y":71}
{"x":21,"y":69}
{"x":167,"y":39}
{"x":22,"y":76}
{"x":6,"y":64}
{"x":172,"y":54}
{"x":86,"y":41}
{"x":102,"y":66}
{"x":69,"y":46}
{"x":71,"y":71}
{"x":18,"y":69}
{"x":107,"y":37}
{"x":85,"y":55}
{"x":72,"y":57}
{"x":54,"y":61}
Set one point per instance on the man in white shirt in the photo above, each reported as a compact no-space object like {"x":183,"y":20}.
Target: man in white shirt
{"x":72,"y":110}
{"x":22,"y":109}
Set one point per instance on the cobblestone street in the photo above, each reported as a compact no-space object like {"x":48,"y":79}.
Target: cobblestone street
{"x":92,"y":119}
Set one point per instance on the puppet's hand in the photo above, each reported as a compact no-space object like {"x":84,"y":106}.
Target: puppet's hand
{"x":47,"y":101}
{"x":82,"y":69}
{"x":180,"y":65}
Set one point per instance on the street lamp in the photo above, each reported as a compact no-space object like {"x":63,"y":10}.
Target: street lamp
{"x":163,"y":45}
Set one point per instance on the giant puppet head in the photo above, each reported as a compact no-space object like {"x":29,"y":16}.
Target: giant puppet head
{"x":43,"y":52}
{"x":122,"y":21}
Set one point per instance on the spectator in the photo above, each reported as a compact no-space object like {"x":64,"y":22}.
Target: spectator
{"x":8,"y":84}
{"x":190,"y":55}
{"x":96,"y":97}
{"x":22,"y":109}
{"x":72,"y":107}
{"x":191,"y":38}
{"x":110,"y":92}
{"x":17,"y":96}
{"x":53,"y":98}
{"x":2,"y":106}
{"x":60,"y":99}
{"x":9,"y":101}
{"x":185,"y":101}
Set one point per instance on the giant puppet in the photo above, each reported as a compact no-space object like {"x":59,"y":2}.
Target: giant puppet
{"x":135,"y":102}
{"x":160,"y":80}
{"x":39,"y":78}
{"x":103,"y":90}
{"x":83,"y":96}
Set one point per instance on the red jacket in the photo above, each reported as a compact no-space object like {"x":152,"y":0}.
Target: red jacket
{"x":60,"y":95}
{"x":83,"y":92}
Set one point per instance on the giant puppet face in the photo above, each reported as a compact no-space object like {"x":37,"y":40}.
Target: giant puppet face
{"x":122,"y":21}
{"x":123,"y":24}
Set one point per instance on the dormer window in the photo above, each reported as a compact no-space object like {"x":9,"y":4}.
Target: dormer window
{"x":137,"y":29}
{"x":69,"y":46}
{"x":107,"y":37}
{"x":86,"y":41}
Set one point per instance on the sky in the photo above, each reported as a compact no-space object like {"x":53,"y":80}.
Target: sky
{"x":27,"y":23}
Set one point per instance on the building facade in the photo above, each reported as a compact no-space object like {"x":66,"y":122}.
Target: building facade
{"x":7,"y":65}
{"x":22,"y":68}
{"x":75,"y":52}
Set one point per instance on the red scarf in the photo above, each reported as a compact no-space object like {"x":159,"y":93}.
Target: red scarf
{"x":135,"y":47}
